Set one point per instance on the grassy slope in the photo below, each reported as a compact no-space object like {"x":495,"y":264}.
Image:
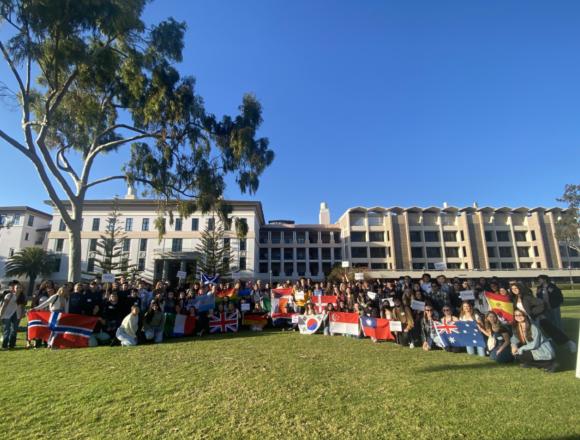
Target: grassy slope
{"x":279,"y":384}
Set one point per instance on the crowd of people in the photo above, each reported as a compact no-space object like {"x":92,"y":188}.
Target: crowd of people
{"x":130,"y":313}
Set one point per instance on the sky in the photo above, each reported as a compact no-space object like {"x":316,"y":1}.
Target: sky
{"x":384,"y":103}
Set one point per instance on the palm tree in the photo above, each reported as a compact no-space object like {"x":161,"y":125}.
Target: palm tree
{"x":30,"y":262}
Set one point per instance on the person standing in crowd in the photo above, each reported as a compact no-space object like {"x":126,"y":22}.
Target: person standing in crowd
{"x":429,"y":337}
{"x":11,"y":312}
{"x":553,"y":299}
{"x":530,"y":347}
{"x":535,"y":309}
{"x":75,"y":304}
{"x":498,"y":339}
{"x":127,"y":331}
{"x":59,"y":302}
{"x":467,"y":314}
{"x":403,"y":313}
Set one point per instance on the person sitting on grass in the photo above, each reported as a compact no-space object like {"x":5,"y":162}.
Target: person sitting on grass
{"x":154,"y":323}
{"x":498,"y":339}
{"x":127,"y":332}
{"x":530,"y":347}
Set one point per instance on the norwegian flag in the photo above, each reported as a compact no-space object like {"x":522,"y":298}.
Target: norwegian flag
{"x":224,"y":322}
{"x":320,"y":302}
{"x":61,"y":330}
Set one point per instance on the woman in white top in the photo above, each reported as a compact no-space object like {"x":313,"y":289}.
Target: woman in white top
{"x":127,"y":332}
{"x":57,"y":302}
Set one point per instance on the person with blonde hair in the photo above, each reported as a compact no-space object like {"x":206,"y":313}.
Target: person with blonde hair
{"x":59,"y":302}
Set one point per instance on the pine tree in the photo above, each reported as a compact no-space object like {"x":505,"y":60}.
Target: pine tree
{"x":215,"y":254}
{"x":109,"y":255}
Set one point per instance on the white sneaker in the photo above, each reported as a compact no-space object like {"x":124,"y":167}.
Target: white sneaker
{"x":411,"y":345}
{"x":571,"y":346}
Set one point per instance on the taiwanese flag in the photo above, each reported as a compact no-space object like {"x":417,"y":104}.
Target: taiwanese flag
{"x":61,"y":330}
{"x":320,"y":302}
{"x":377,"y":328}
{"x":502,"y":305}
{"x":283,"y":291}
{"x":228,"y":292}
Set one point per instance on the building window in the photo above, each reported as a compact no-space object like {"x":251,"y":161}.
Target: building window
{"x":143,"y":245}
{"x":314,"y":268}
{"x":91,"y":265}
{"x":503,"y":235}
{"x":357,"y":237}
{"x":453,"y":266}
{"x":533,"y":234}
{"x":242,"y":264}
{"x":525,"y":265}
{"x":377,"y":236}
{"x":275,"y":254}
{"x":59,"y":245}
{"x":96,"y":224}
{"x":462,"y":236}
{"x":489,"y":236}
{"x":176,"y":245}
{"x":491,"y":251}
{"x":507,"y":265}
{"x":145,"y":224}
{"x":336,"y":236}
{"x":288,"y":254}
{"x":415,"y":236}
{"x":536,"y":251}
{"x":325,"y":237}
{"x":242,"y":244}
{"x":301,"y":269}
{"x":300,"y":237}
{"x":520,"y":235}
{"x":126,"y":244}
{"x":431,"y":236}
{"x":30,"y":220}
{"x":56,"y":262}
{"x":493,"y":265}
{"x":450,"y":235}
{"x":325,"y":253}
{"x":378,"y":252}
{"x":417,"y":252}
{"x":210,"y":224}
{"x":26,"y":235}
{"x":275,"y":237}
{"x":313,"y":253}
{"x":61,"y":226}
{"x":263,"y":253}
{"x":301,"y":254}
{"x":288,"y":268}
{"x":288,"y":237}
{"x":523,"y":252}
{"x":433,"y":252}
{"x":11,"y":252}
{"x":93,"y":244}
{"x":313,"y":236}
{"x":378,"y":265}
{"x":359,"y":252}
{"x":375,"y":219}
{"x":195,"y":224}
{"x":16,"y":219}
{"x":263,"y":237}
{"x":275,"y":269}
{"x":141,"y":264}
{"x":263,"y":267}
{"x":418,"y":266}
{"x":337,"y":254}
{"x":505,"y":252}
{"x":128,"y":224}
{"x":452,"y":252}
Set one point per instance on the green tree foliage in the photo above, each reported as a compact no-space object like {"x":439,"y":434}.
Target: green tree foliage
{"x":568,"y":224}
{"x":89,"y":79}
{"x":30,"y":262}
{"x":109,"y":255}
{"x":215,"y":255}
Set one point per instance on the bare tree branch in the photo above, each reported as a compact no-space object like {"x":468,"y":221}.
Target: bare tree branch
{"x":13,"y":69}
{"x":65,"y":166}
{"x":15,"y":143}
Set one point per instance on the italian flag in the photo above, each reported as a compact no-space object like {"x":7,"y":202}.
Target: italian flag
{"x":178,"y":325}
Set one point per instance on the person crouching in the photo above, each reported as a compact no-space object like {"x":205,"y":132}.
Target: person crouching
{"x":127,"y":332}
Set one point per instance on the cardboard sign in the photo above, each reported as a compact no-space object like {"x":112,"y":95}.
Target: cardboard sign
{"x":299,"y":296}
{"x":391,"y":302}
{"x":245,"y":307}
{"x":295,"y":318}
{"x":372,"y":295}
{"x":108,"y":278}
{"x":467,"y":295}
{"x":182,"y":274}
{"x":395,"y":326}
{"x":359,"y":276}
{"x":346,"y":264}
{"x":417,"y":305}
{"x":440,"y":266}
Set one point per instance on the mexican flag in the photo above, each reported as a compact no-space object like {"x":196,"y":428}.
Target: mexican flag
{"x":178,"y":325}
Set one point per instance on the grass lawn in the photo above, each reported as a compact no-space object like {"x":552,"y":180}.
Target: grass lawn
{"x":282,"y":385}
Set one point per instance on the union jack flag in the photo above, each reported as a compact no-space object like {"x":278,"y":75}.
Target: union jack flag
{"x":61,"y":330}
{"x":224,"y":322}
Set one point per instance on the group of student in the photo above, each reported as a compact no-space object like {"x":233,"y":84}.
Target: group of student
{"x":134,"y":312}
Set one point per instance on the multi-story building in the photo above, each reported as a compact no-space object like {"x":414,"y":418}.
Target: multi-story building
{"x":389,"y":242}
{"x":21,"y":227}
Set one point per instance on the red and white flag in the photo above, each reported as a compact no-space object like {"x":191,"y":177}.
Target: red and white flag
{"x":344,"y":323}
{"x":61,"y":330}
{"x":320,"y":302}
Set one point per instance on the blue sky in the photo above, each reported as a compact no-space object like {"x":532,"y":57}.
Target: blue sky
{"x":380,"y":103}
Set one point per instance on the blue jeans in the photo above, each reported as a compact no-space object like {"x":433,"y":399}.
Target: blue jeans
{"x":10,"y":327}
{"x":504,"y":357}
{"x":480,"y":351}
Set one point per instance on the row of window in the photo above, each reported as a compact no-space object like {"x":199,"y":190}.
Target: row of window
{"x":141,"y":264}
{"x":300,"y":237}
{"x":376,"y":236}
{"x":505,"y":236}
{"x":300,"y":254}
{"x":287,"y":269}
{"x":433,"y":236}
{"x":146,"y":224}
{"x":435,"y":252}
{"x":507,"y":251}
{"x":15,"y":220}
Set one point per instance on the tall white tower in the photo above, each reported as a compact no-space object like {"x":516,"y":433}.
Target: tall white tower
{"x":324,"y":214}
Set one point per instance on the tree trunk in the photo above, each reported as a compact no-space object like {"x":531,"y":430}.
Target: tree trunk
{"x":31,"y":281}
{"x":74,"y":255}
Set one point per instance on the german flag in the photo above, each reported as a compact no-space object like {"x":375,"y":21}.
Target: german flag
{"x":502,"y":305}
{"x":255,"y":319}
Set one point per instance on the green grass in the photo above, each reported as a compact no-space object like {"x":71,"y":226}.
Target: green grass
{"x":282,"y":385}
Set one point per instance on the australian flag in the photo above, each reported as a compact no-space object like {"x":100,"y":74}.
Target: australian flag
{"x":209,"y":279}
{"x":460,"y":334}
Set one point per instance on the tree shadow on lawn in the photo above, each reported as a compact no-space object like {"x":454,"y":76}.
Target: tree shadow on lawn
{"x":459,"y":367}
{"x":220,"y":337}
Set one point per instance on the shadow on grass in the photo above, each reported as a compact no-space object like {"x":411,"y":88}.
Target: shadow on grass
{"x":461,"y":367}
{"x":212,"y":337}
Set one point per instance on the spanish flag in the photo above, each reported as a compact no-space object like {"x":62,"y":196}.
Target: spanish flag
{"x":502,"y":305}
{"x":228,"y":292}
